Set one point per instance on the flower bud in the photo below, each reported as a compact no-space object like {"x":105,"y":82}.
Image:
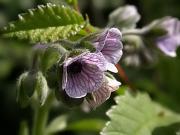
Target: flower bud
{"x":25,"y":88}
{"x":31,"y":85}
{"x":124,"y":17}
{"x":52,"y":55}
{"x":41,"y":88}
{"x":54,"y":74}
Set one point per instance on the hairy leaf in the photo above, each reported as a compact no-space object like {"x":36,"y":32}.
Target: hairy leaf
{"x":46,"y":23}
{"x":137,"y":115}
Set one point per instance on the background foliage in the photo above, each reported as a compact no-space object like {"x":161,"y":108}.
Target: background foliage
{"x":160,"y":80}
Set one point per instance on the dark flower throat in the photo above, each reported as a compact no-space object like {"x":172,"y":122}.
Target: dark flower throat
{"x":74,"y":68}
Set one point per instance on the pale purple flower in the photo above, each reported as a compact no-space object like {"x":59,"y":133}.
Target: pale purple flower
{"x":110,"y":45}
{"x":83,"y":74}
{"x":103,"y":93}
{"x":169,"y":43}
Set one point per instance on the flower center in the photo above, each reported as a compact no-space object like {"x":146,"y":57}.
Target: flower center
{"x":74,"y":68}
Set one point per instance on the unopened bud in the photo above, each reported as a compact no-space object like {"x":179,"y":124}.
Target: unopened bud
{"x":41,"y":88}
{"x":25,"y":88}
{"x":52,"y":55}
{"x":124,"y":17}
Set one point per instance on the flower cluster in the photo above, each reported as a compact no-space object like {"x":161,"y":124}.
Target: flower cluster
{"x":86,"y":73}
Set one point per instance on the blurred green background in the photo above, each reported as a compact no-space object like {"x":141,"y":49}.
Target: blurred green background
{"x":161,"y":79}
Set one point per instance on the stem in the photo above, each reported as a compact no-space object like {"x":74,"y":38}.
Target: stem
{"x":41,"y":116}
{"x":142,"y":31}
{"x":133,"y":32}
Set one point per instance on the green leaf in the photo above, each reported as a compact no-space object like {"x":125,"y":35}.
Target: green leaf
{"x":58,"y":124}
{"x":46,"y":23}
{"x":87,"y":125}
{"x":137,"y":115}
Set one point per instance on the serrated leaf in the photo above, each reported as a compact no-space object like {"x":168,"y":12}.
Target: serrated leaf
{"x":58,"y":124}
{"x":45,"y":24}
{"x":137,"y":115}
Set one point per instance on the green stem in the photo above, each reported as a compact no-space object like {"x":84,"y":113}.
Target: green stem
{"x":41,"y":116}
{"x":142,"y":31}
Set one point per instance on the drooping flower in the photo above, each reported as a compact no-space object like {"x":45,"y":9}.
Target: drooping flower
{"x":103,"y":93}
{"x":169,"y":42}
{"x":110,"y":45}
{"x":83,"y":74}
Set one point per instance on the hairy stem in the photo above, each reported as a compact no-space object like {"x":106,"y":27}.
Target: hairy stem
{"x":41,"y":116}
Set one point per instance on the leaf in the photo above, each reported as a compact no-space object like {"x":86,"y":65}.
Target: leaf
{"x":46,"y":23}
{"x":87,"y":125}
{"x":137,"y":115}
{"x":58,"y":124}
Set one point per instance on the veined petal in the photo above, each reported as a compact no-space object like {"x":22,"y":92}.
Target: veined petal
{"x":83,"y":74}
{"x":109,"y":43}
{"x":95,"y":59}
{"x":104,"y":92}
{"x":112,"y":51}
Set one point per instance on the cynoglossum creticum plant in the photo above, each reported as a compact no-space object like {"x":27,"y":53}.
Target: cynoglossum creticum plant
{"x":77,"y":70}
{"x":75,"y":60}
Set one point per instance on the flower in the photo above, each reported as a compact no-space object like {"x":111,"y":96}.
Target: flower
{"x":103,"y":93}
{"x":110,"y":45}
{"x":83,"y":74}
{"x":169,"y":42}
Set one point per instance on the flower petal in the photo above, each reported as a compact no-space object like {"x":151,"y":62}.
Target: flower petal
{"x":110,"y":45}
{"x":111,"y":67}
{"x":89,"y":79}
{"x":172,"y":25}
{"x":168,"y":45}
{"x":104,"y":92}
{"x":112,"y":51}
